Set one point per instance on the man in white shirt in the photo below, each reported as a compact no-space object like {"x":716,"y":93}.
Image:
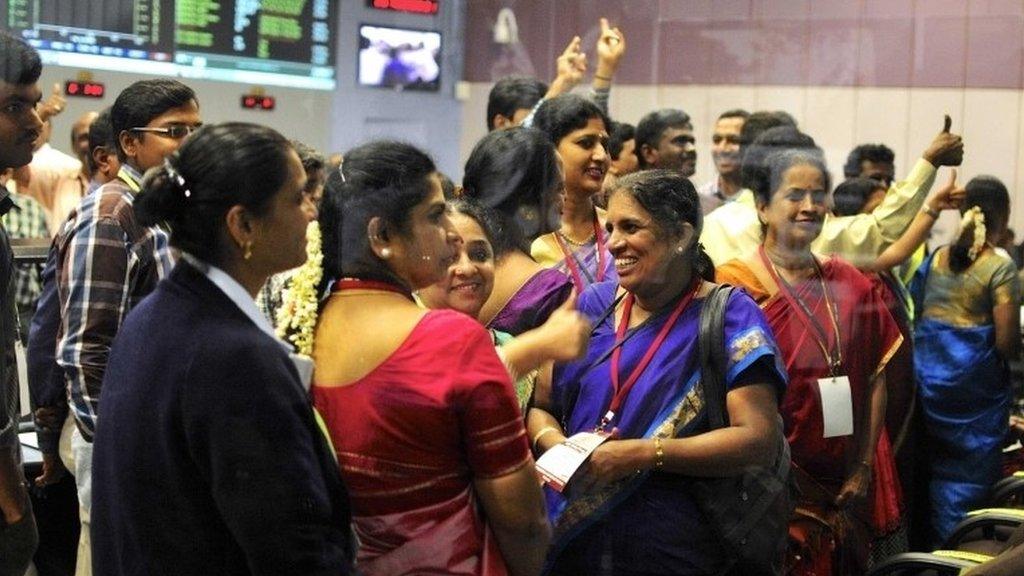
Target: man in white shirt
{"x":725,"y":151}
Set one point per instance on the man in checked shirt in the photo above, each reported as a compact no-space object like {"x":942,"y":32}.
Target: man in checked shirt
{"x":107,"y":263}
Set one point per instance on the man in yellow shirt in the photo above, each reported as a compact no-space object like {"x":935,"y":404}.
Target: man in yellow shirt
{"x":733,"y":230}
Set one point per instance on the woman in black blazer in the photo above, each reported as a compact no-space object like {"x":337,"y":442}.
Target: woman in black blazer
{"x":207,"y":458}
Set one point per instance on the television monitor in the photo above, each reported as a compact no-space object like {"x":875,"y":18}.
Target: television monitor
{"x":275,"y":42}
{"x":399,"y":58}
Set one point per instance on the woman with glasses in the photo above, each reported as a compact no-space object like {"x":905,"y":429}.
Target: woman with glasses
{"x":836,"y":337}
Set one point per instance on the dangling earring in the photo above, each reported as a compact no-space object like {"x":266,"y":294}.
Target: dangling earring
{"x":385,"y":253}
{"x":248,"y":250}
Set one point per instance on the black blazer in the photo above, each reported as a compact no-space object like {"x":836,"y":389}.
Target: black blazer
{"x":207,"y":458}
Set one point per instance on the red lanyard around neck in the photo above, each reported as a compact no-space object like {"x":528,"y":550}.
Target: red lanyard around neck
{"x":570,"y":258}
{"x":833,"y":359}
{"x":620,"y":392}
{"x":378,"y":285}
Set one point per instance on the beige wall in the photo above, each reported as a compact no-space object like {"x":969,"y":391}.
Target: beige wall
{"x":839,"y":118}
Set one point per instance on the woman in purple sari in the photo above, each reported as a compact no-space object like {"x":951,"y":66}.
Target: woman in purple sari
{"x":516,"y":172}
{"x":628,"y":511}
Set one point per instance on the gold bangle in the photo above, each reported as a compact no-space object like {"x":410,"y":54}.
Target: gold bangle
{"x":659,"y":453}
{"x":542,"y":432}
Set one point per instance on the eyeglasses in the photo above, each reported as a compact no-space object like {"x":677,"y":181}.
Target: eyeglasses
{"x":176,"y":131}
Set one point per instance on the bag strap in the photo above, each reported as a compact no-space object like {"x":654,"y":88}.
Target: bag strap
{"x":711,"y":350}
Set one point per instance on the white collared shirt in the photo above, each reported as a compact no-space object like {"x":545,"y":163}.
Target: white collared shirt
{"x":237,"y":294}
{"x":247,"y":304}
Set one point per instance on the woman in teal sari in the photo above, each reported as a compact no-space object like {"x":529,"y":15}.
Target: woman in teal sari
{"x":630,"y":511}
{"x":968,"y":299}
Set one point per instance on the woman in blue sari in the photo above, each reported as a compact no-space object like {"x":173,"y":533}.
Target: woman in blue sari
{"x":968,"y":299}
{"x":629,"y":511}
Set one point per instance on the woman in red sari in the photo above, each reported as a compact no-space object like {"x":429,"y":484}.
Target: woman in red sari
{"x":421,"y":412}
{"x":836,"y":337}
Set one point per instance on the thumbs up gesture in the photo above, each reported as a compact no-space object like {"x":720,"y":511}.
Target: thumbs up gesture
{"x":566,"y":332}
{"x":54,"y":103}
{"x":947,"y":149}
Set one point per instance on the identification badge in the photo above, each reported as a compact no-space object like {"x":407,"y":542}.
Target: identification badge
{"x":836,"y":406}
{"x":558,"y":465}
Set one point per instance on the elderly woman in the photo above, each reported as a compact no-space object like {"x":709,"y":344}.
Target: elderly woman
{"x":836,"y":338}
{"x":579,"y":247}
{"x":208,"y":458}
{"x":631,"y":511}
{"x":517,"y":173}
{"x":421,"y":411}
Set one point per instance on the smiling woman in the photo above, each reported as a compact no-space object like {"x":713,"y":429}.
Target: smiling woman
{"x":836,"y":337}
{"x":579,"y":129}
{"x":423,"y":415}
{"x":640,"y":382}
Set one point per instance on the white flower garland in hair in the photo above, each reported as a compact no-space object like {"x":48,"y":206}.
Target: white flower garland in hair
{"x":296,"y":319}
{"x":976,"y":218}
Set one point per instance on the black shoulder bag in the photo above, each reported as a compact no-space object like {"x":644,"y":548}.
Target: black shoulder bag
{"x":749,"y":512}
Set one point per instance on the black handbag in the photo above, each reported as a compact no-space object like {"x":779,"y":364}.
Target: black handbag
{"x":749,"y":512}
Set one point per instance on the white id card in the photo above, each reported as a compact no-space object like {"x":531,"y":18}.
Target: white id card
{"x":836,"y":406}
{"x":558,"y":465}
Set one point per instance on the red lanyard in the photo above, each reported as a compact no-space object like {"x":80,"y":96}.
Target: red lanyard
{"x":570,"y":258}
{"x":834,"y":361}
{"x":360,"y":284}
{"x":621,"y":392}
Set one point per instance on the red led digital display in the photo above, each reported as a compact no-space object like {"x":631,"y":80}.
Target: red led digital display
{"x":413,"y":6}
{"x":84,"y":89}
{"x":253,"y":102}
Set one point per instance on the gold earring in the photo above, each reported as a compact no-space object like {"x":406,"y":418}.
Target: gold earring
{"x":385,"y":253}
{"x":248,"y":250}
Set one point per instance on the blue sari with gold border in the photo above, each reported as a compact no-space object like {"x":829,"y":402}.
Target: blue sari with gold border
{"x":648,"y":523}
{"x":963,"y":384}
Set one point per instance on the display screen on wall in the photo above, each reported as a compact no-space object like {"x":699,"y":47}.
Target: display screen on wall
{"x":399,"y":58}
{"x":278,"y":42}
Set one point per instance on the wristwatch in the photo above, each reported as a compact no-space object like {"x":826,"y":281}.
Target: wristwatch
{"x":930,"y":211}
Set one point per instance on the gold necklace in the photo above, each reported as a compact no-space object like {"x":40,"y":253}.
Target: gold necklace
{"x":568,"y":240}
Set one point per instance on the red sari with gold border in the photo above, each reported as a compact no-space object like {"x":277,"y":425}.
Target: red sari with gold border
{"x":869,"y":337}
{"x":412,"y":435}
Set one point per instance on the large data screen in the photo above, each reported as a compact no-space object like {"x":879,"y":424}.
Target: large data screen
{"x":283,"y":42}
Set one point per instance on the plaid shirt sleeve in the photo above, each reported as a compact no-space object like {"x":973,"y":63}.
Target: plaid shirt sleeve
{"x":27,"y":219}
{"x":95,"y":299}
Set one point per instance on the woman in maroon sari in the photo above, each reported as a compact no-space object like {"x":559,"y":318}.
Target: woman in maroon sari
{"x":836,"y":338}
{"x":421,"y":411}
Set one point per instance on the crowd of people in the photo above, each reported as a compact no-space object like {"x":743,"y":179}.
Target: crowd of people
{"x":253,"y":361}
